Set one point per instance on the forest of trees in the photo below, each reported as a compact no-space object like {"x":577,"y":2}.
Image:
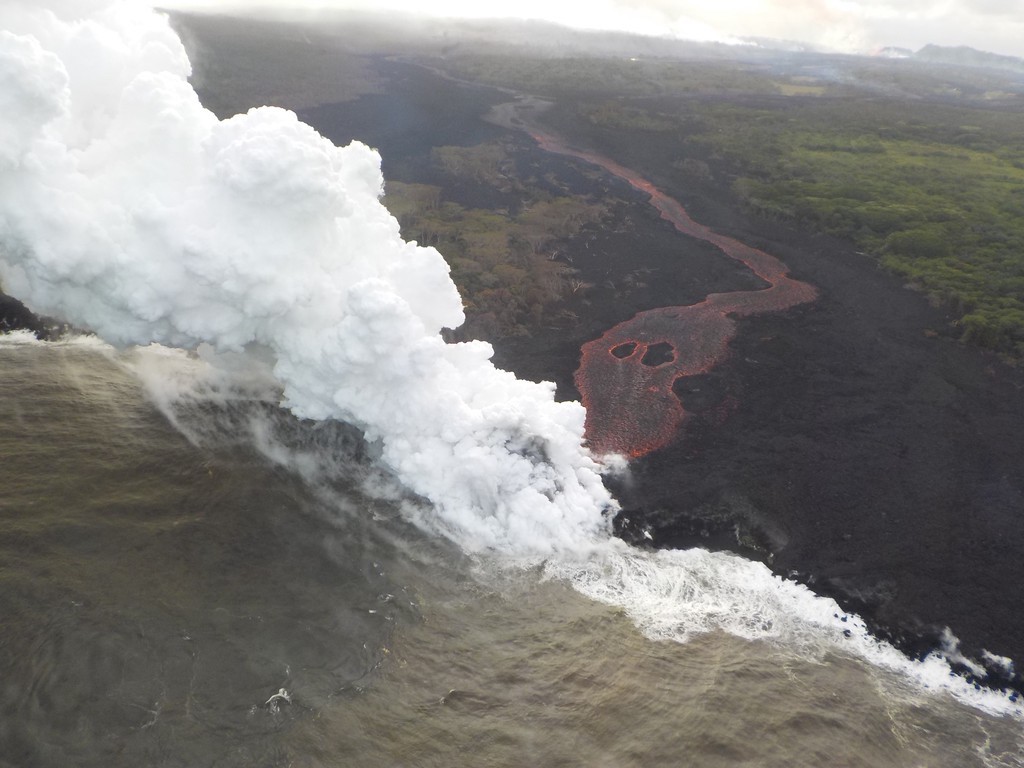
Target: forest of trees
{"x":936,"y":195}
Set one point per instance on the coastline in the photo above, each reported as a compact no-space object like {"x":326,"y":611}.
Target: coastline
{"x":841,"y":442}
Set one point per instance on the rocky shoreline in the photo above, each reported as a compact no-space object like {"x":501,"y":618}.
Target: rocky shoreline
{"x":15,"y":316}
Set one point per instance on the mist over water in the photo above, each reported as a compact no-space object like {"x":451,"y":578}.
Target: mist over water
{"x":127,"y":208}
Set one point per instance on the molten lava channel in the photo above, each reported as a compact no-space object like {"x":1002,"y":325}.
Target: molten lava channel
{"x":626,"y":376}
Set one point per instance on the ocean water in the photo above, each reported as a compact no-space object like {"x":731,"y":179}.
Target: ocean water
{"x":191,"y":577}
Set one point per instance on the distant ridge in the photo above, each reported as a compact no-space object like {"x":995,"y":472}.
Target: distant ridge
{"x":965,"y":56}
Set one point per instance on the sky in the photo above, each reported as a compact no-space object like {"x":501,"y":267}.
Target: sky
{"x":851,"y":26}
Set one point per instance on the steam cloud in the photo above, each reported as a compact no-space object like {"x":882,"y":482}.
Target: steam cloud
{"x":128,"y":208}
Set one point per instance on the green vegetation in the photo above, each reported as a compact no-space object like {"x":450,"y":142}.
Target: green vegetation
{"x":577,"y":76}
{"x":505,"y":264}
{"x":938,"y":200}
{"x":736,"y":72}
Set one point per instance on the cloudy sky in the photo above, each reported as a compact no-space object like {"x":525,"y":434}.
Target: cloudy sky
{"x":860,"y":26}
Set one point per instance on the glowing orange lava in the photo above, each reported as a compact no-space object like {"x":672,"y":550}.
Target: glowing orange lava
{"x":626,"y":376}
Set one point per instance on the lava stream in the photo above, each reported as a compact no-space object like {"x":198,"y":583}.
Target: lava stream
{"x":626,"y":376}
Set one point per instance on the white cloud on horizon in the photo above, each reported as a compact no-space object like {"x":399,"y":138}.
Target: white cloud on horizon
{"x":853,"y":26}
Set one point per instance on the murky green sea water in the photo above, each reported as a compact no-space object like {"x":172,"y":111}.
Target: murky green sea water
{"x":169,"y":604}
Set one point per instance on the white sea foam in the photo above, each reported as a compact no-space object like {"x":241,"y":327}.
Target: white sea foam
{"x":678,"y":594}
{"x":22,"y":337}
{"x":18,"y":338}
{"x":129,"y":209}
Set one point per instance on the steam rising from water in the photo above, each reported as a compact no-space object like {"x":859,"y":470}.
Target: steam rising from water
{"x":130,"y":209}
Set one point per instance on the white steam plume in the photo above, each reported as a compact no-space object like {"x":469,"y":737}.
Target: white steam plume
{"x":128,"y":208}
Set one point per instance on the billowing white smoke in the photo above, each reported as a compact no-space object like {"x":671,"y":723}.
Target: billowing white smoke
{"x":128,"y":208}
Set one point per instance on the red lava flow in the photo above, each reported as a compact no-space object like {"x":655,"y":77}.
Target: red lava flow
{"x":626,"y":376}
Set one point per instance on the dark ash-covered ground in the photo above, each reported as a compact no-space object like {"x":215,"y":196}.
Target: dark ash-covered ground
{"x":15,"y":316}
